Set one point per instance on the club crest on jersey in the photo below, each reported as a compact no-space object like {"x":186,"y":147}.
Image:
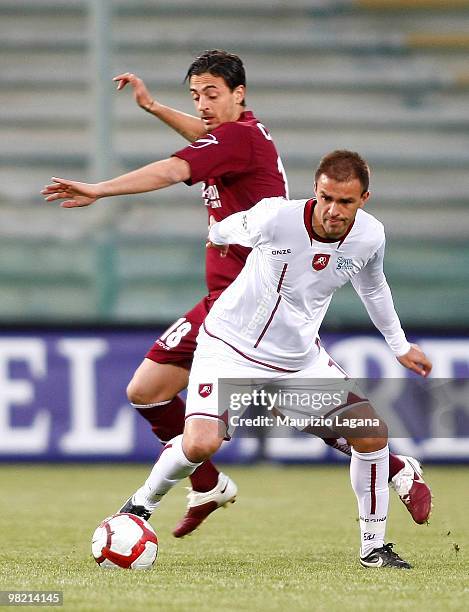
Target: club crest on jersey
{"x":320,"y":261}
{"x":205,"y":389}
{"x":205,"y":141}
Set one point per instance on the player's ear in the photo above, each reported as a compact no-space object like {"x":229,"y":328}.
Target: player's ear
{"x":364,"y":198}
{"x":239,"y":93}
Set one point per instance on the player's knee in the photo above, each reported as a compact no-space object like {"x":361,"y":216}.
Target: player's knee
{"x":138,"y":393}
{"x":198,"y":449}
{"x":372,"y":440}
{"x":369,"y":445}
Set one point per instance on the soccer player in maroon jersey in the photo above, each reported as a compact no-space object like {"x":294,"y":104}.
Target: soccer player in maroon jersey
{"x":234,"y":156}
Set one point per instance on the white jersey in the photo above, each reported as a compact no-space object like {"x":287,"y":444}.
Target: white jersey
{"x":272,"y":311}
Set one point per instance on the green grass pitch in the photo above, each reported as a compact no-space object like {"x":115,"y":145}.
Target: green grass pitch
{"x":289,"y":543}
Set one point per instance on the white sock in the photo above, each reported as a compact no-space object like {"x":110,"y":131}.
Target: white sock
{"x":369,"y":476}
{"x":171,"y":467}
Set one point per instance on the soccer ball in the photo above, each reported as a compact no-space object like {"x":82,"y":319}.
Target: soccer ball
{"x":125,"y":540}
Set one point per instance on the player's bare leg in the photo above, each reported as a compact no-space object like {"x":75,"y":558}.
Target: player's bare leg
{"x":405,"y":477}
{"x":153,"y":392}
{"x":155,"y":381}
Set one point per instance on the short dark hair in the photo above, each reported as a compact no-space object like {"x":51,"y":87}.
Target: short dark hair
{"x":344,"y":166}
{"x":220,"y":63}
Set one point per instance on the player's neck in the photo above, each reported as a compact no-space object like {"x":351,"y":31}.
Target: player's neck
{"x":239,"y":112}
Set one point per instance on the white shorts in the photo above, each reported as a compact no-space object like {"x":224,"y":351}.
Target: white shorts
{"x":210,"y":394}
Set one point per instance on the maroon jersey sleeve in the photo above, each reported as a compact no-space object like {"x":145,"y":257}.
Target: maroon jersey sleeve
{"x":228,"y":149}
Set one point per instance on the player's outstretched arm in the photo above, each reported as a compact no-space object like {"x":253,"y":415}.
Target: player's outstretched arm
{"x":416,"y":360}
{"x":188,"y":126}
{"x":149,"y":178}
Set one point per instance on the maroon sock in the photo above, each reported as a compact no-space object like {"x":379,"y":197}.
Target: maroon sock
{"x":205,"y":477}
{"x":395,"y":465}
{"x":167,"y":421}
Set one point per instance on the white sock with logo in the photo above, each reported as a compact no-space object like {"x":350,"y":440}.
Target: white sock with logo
{"x":171,"y":467}
{"x":369,"y":476}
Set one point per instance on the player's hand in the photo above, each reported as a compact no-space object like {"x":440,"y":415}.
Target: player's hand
{"x":416,"y":360}
{"x":223,"y":248}
{"x":73,"y":193}
{"x":141,"y":94}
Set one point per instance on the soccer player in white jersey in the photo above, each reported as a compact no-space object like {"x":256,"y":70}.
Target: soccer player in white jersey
{"x":302,"y":251}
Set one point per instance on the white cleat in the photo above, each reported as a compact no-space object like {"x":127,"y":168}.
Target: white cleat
{"x":202,"y":504}
{"x":414,"y":493}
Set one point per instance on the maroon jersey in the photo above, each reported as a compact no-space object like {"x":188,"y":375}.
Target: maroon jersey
{"x":239,"y":165}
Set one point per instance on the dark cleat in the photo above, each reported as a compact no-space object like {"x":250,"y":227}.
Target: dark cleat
{"x":384,"y":557}
{"x":130,"y":508}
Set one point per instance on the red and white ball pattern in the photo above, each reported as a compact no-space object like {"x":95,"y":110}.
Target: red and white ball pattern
{"x":125,"y":541}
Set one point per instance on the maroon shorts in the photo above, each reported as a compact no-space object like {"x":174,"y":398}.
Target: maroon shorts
{"x":178,"y":343}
